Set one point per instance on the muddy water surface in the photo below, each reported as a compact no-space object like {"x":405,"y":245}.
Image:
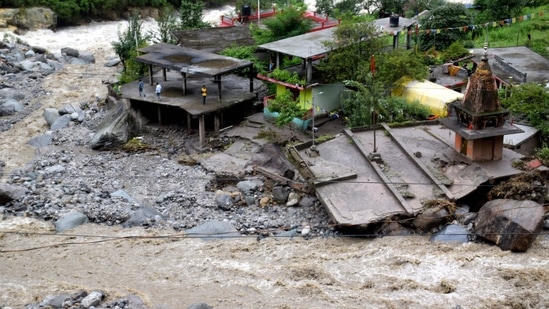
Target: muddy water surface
{"x":170,"y":271}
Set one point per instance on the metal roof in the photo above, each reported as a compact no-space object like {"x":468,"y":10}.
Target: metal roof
{"x":304,"y":46}
{"x":384,"y":24}
{"x":189,"y":60}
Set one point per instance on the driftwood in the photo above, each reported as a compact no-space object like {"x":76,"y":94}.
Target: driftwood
{"x":296,"y":185}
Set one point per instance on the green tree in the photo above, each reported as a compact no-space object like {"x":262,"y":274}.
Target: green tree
{"x":448,"y":19}
{"x":367,"y":104}
{"x":288,"y":23}
{"x":167,"y":22}
{"x":129,"y":41}
{"x":493,"y":10}
{"x":350,"y":51}
{"x":191,"y":15}
{"x":393,"y":66}
{"x":530,"y":101}
{"x":455,"y":51}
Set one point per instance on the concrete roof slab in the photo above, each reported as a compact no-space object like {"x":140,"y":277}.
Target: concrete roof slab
{"x":188,"y":60}
{"x":415,"y":160}
{"x":304,"y":46}
{"x":521,"y":58}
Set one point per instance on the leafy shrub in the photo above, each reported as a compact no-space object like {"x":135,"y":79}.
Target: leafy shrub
{"x":287,"y":76}
{"x":455,"y":51}
{"x":543,"y":155}
{"x":286,"y":106}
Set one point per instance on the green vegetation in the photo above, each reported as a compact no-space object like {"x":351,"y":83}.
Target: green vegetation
{"x":355,"y":43}
{"x":288,"y":23}
{"x":367,"y":105}
{"x":531,"y":101}
{"x":191,"y":15}
{"x":129,"y":41}
{"x":516,"y":34}
{"x":449,"y":17}
{"x":286,"y":106}
{"x":287,"y":76}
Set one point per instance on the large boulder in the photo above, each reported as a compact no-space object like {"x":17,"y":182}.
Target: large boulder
{"x":10,"y":192}
{"x":431,"y":217}
{"x":70,"y":220}
{"x":117,"y":128}
{"x":33,"y":18}
{"x":213,"y":229}
{"x":510,"y":224}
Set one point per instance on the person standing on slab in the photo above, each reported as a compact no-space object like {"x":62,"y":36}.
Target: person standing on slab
{"x":141,"y":86}
{"x":158,"y":90}
{"x":204,"y":94}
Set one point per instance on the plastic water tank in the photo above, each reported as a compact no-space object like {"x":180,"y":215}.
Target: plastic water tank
{"x":393,"y":21}
{"x":246,"y":10}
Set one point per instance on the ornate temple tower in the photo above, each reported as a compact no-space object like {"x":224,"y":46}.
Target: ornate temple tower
{"x":480,"y":122}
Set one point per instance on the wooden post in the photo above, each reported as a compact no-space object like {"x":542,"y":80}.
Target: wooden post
{"x":164,"y":74}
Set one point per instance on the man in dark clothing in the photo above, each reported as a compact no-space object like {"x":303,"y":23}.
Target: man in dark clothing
{"x":141,"y":86}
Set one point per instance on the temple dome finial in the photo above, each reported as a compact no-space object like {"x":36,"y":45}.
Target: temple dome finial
{"x":485,"y":53}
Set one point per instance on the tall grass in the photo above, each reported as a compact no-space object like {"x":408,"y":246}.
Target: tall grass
{"x":508,"y":35}
{"x":516,"y":34}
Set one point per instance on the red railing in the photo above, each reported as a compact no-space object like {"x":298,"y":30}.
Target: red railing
{"x":322,"y":20}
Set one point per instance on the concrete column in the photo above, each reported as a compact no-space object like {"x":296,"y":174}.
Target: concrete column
{"x":164,"y":74}
{"x":309,"y":68}
{"x":408,"y":39}
{"x":184,"y":83}
{"x":159,"y":114}
{"x":395,"y":41}
{"x":217,"y":123}
{"x":277,"y":60}
{"x":150,"y":74}
{"x":251,"y":78}
{"x":218,"y":88}
{"x":201,"y":130}
{"x":189,"y":123}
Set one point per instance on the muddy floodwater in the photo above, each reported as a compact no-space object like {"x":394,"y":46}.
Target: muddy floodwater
{"x":168,"y":270}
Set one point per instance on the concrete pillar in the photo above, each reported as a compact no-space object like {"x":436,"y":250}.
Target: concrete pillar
{"x":189,"y":123}
{"x":251,"y":75}
{"x":408,"y":39}
{"x":184,"y":83}
{"x":150,"y":74}
{"x":218,"y":89}
{"x":217,"y":123}
{"x":395,"y":41}
{"x":309,"y":68}
{"x":277,"y":60}
{"x":159,"y":114}
{"x":201,"y":130}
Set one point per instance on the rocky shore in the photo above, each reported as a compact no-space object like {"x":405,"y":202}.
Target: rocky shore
{"x":147,"y":187}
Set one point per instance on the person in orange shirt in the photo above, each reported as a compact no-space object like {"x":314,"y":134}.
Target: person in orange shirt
{"x":204,"y":94}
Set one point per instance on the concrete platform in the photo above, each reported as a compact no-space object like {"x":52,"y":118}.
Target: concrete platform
{"x":417,"y":163}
